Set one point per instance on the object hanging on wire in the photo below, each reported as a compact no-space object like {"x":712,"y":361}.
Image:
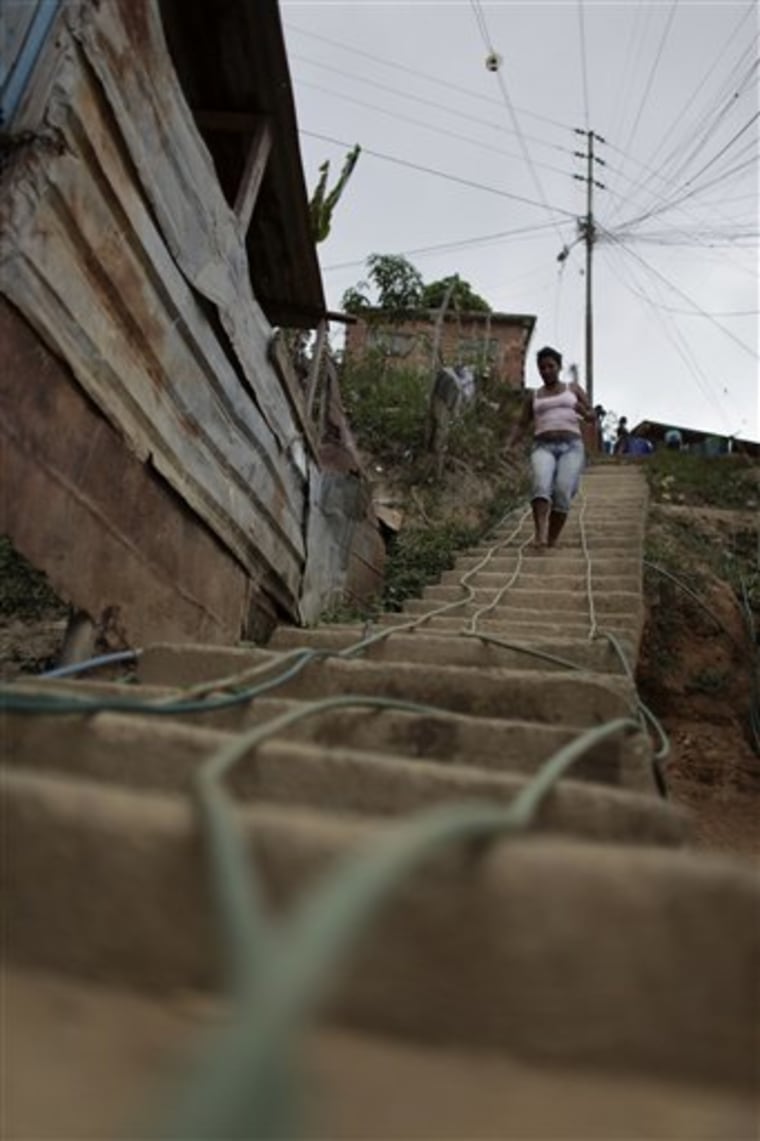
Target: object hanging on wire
{"x":493,"y":61}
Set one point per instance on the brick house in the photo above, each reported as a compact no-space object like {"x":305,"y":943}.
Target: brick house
{"x":494,"y":341}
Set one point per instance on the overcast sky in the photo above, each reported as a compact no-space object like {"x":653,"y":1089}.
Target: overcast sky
{"x":671,"y":87}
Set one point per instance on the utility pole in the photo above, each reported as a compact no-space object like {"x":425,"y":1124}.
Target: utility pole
{"x":588,"y":235}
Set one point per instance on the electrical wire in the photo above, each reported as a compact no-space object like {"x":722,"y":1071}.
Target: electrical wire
{"x":659,"y":171}
{"x":652,"y":73}
{"x":444,"y":131}
{"x":704,"y":79}
{"x":435,"y":104}
{"x":672,"y":334}
{"x":418,"y":74}
{"x":488,"y":42}
{"x":723,"y":149}
{"x":462,"y":243}
{"x":439,"y":174}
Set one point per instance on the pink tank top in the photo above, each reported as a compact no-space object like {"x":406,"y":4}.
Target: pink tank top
{"x":556,"y":413}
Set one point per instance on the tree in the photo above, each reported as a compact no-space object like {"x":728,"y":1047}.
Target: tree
{"x":462,"y":295}
{"x":400,"y":287}
{"x":398,"y":284}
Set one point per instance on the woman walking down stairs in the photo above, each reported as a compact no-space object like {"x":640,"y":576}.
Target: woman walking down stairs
{"x":433,"y":858}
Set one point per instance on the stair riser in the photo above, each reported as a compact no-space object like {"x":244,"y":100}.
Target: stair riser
{"x":570,"y":698}
{"x":590,"y":954}
{"x":417,"y":647}
{"x":135,"y":754}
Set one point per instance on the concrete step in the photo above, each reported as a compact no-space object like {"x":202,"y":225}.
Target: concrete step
{"x":136,"y":753}
{"x":563,"y":951}
{"x":620,"y":546}
{"x":519,"y":628}
{"x":497,"y":744}
{"x":543,"y":601}
{"x":359,"y":1086}
{"x":494,"y":581}
{"x":547,"y":563}
{"x":421,"y":646}
{"x":578,"y":699}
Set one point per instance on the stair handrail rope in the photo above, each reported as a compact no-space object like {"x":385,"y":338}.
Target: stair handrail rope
{"x":593,"y":626}
{"x":278,"y":984}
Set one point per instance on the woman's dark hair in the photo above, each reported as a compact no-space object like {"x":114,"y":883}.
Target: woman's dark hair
{"x":548,"y":351}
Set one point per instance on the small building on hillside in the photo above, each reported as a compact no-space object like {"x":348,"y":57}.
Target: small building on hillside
{"x":495,"y":343}
{"x":163,"y":463}
{"x":696,"y":441}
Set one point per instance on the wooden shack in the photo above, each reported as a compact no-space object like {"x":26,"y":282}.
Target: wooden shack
{"x":163,"y":463}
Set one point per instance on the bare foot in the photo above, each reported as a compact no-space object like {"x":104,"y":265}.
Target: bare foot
{"x":537,"y":545}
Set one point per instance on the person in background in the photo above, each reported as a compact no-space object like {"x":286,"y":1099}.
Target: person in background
{"x":599,"y":413}
{"x":638,"y":446}
{"x":621,"y":439}
{"x":557,"y":457}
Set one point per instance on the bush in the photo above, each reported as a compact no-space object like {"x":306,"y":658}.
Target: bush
{"x":386,"y":407}
{"x":26,"y":593}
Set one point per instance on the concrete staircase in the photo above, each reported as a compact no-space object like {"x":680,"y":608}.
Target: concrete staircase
{"x":593,"y":978}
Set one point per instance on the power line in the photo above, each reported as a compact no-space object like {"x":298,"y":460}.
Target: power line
{"x":698,"y":308}
{"x":673,"y":334}
{"x":660,"y":170}
{"x":421,"y":123}
{"x":426,"y":102}
{"x":424,"y":75}
{"x":704,"y":79}
{"x":711,"y":127}
{"x":723,"y":149}
{"x":652,"y":73}
{"x":480,"y":17}
{"x":440,"y":174}
{"x":674,"y":203}
{"x":462,"y":243}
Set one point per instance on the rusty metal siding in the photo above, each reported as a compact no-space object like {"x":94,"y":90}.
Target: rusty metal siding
{"x":108,"y":236}
{"x":112,"y":538}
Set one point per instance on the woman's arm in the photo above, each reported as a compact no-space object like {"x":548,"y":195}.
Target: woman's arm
{"x":585,"y":409}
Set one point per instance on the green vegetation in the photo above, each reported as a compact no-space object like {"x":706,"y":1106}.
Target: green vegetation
{"x":419,"y":555}
{"x":25,"y":592}
{"x":399,"y":287}
{"x":387,"y":409}
{"x":723,"y":481}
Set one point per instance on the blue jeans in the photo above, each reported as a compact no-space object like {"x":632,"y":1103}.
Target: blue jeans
{"x":557,"y":467}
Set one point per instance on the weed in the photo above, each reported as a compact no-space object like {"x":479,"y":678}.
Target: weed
{"x":25,"y":592}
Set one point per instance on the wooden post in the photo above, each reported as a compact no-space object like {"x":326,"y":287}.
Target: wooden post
{"x":439,"y":326}
{"x":255,"y":165}
{"x":316,"y":361}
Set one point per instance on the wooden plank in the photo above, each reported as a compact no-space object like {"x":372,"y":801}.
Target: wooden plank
{"x":110,"y":535}
{"x":138,"y":339}
{"x":125,"y":46}
{"x":280,"y":358}
{"x":255,"y":167}
{"x":316,"y":364}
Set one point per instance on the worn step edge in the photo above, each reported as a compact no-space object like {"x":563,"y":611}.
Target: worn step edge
{"x":422,"y":646}
{"x":609,"y":956}
{"x":139,"y":755}
{"x":534,"y":695}
{"x":485,"y":742}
